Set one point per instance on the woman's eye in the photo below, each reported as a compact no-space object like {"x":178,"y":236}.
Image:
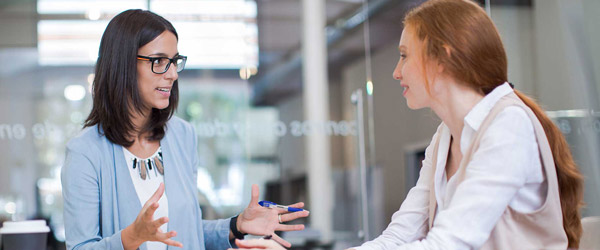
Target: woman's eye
{"x":158,"y":60}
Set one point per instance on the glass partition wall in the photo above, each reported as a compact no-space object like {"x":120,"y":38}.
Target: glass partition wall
{"x":247,"y":134}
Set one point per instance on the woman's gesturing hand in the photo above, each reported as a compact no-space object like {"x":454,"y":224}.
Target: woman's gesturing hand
{"x":258,"y":220}
{"x":257,"y":244}
{"x":145,"y":228}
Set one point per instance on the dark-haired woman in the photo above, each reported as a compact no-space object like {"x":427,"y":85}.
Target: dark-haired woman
{"x":498,"y":173}
{"x":129,"y":179}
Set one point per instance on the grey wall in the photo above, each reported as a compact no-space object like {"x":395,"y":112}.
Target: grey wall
{"x":19,"y":23}
{"x":516,"y":27}
{"x":560,"y":74}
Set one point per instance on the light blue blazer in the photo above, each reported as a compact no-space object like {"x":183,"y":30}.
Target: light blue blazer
{"x":100,"y":199}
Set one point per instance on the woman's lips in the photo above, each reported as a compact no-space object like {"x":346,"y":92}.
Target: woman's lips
{"x":405,"y":89}
{"x":166,"y":92}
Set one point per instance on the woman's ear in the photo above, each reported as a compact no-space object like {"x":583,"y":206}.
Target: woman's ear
{"x":448,"y":50}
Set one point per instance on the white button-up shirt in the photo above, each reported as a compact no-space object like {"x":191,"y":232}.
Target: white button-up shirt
{"x":505,"y":171}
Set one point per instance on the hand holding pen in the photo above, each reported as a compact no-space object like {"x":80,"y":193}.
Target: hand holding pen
{"x":270,"y":204}
{"x":263,"y":220}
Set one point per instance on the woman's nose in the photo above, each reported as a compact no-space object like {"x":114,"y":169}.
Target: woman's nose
{"x":172,"y":72}
{"x":396,"y":74}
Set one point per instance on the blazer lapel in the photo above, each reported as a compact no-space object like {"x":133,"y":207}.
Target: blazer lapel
{"x":127,"y":198}
{"x":170,"y":179}
{"x":177,"y":194}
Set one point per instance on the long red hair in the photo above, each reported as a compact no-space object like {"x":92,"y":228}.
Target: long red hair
{"x":476,"y":57}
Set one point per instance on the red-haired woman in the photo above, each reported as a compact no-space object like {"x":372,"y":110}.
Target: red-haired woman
{"x":498,"y":173}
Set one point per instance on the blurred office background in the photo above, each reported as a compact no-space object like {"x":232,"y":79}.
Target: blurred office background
{"x":269,"y":87}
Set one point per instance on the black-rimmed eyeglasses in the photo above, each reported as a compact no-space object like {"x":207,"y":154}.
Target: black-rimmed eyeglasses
{"x":160,"y":65}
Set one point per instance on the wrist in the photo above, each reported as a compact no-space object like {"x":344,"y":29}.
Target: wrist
{"x":129,"y":239}
{"x":234,"y":227}
{"x":238,"y":224}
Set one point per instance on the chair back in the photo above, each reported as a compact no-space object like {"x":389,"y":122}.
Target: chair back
{"x":591,"y":231}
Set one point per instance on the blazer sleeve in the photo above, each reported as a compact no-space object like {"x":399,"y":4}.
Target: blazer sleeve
{"x":81,"y":193}
{"x":216,"y":232}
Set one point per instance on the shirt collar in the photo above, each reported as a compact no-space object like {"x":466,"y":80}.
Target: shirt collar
{"x":478,"y":113}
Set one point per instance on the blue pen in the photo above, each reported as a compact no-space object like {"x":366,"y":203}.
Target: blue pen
{"x":270,"y":204}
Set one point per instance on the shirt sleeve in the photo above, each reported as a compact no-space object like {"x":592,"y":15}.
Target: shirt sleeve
{"x":81,"y":193}
{"x":409,"y":223}
{"x":497,"y":170}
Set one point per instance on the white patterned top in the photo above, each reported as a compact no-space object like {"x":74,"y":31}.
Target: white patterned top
{"x":146,"y":188}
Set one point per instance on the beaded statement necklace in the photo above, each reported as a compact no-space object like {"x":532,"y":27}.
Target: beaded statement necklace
{"x":145,"y":166}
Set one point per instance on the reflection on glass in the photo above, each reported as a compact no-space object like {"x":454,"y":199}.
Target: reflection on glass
{"x":69,"y":42}
{"x":214,"y":34}
{"x":231,"y":157}
{"x":74,"y":92}
{"x":87,"y":6}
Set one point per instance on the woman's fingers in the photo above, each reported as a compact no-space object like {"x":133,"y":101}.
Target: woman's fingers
{"x":247,"y":243}
{"x":149,"y":213}
{"x":160,"y":221}
{"x":157,"y":194}
{"x":295,"y":215}
{"x":297,"y":205}
{"x":171,"y":242}
{"x":281,"y":241}
{"x":282,"y":227}
{"x":258,"y":244}
{"x":166,"y":238}
{"x":254,"y":196}
{"x":152,"y":203}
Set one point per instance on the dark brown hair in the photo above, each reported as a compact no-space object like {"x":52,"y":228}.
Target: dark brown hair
{"x":477,"y":58}
{"x":115,"y":87}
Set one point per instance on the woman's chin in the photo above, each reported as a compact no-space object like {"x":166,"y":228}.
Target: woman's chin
{"x":414,"y":106}
{"x":161,"y":106}
{"x":410,"y":105}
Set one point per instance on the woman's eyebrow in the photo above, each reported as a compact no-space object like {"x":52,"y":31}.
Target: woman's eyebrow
{"x":158,"y":54}
{"x":163,"y":54}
